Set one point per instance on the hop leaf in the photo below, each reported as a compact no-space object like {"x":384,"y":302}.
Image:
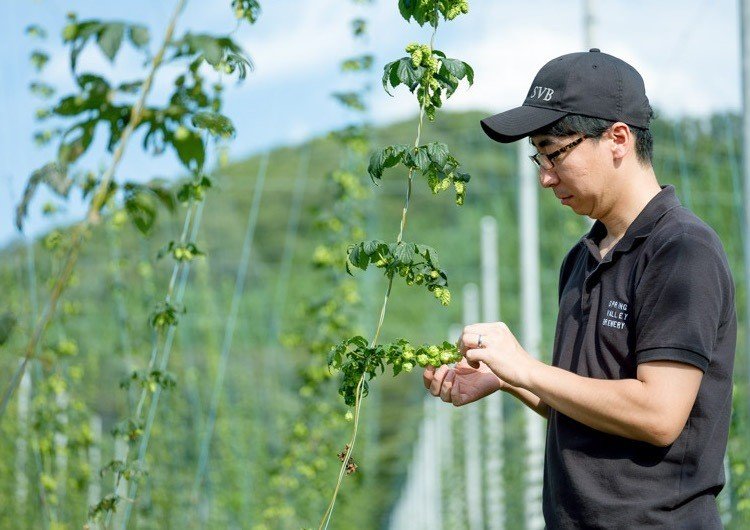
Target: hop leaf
{"x":215,"y":123}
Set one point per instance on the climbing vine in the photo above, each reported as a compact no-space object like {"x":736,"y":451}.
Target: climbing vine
{"x":432,"y":77}
{"x":186,"y":124}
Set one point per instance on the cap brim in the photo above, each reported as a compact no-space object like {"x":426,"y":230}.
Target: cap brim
{"x":518,"y":123}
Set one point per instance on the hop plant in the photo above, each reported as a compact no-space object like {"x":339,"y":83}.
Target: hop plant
{"x":456,"y":8}
{"x":355,"y":358}
{"x":429,"y":11}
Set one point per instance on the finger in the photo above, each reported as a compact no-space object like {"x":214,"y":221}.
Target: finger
{"x":445,"y":391}
{"x":437,"y":381}
{"x":474,"y":355}
{"x":428,"y":375}
{"x":456,"y":395}
{"x":480,"y":327}
{"x":471,"y":340}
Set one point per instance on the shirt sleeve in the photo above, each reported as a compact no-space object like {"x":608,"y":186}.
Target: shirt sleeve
{"x":681,"y":301}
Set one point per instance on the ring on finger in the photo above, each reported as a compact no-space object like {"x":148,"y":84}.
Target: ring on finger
{"x":479,"y":341}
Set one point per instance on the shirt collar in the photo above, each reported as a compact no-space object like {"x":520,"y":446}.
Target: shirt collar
{"x":641,"y":226}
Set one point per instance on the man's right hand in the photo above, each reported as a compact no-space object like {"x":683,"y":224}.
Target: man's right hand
{"x":461,"y":384}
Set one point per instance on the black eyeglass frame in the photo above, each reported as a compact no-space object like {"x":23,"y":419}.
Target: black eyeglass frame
{"x":536,"y":157}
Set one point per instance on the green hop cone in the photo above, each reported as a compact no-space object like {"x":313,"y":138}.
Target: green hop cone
{"x":416,"y":58}
{"x":423,"y":360}
{"x":462,"y":6}
{"x":442,"y":294}
{"x":407,"y":367}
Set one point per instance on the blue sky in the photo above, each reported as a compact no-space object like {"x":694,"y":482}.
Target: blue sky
{"x":687,"y":52}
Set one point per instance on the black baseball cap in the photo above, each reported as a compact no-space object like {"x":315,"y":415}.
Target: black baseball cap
{"x":590,"y":83}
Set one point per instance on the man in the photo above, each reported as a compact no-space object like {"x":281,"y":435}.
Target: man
{"x":639,"y":393}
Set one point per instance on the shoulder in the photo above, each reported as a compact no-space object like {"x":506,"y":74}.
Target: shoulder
{"x":681,"y":231}
{"x":684,"y":253}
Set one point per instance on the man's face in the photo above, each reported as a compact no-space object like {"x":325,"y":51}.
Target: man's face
{"x":578,"y":175}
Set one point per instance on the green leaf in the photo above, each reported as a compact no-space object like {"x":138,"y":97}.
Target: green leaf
{"x":249,"y":10}
{"x":390,"y":76}
{"x":370,"y":247}
{"x":455,"y":67}
{"x":430,"y":254}
{"x":210,"y":48}
{"x":71,"y":151}
{"x":130,"y":88}
{"x":384,"y":158}
{"x":39,"y":59}
{"x":358,"y":257}
{"x":215,"y":123}
{"x":353,"y":100}
{"x":42,"y":90}
{"x":139,"y":35}
{"x":190,"y":149}
{"x":404,"y":253}
{"x":357,"y":64}
{"x":421,"y":158}
{"x":359,"y":341}
{"x":377,"y":164}
{"x":141,"y":208}
{"x":438,"y":153}
{"x":469,"y":73}
{"x":408,"y":74}
{"x":36,"y":31}
{"x":359,"y":27}
{"x":54,"y":175}
{"x":109,"y":39}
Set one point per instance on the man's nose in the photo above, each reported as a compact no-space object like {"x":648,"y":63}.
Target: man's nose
{"x":548,"y":177}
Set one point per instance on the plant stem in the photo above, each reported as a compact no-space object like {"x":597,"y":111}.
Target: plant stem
{"x":357,"y":408}
{"x":92,"y":215}
{"x":360,"y":385}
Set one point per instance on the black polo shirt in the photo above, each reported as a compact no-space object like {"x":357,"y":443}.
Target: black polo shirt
{"x":664,"y":292}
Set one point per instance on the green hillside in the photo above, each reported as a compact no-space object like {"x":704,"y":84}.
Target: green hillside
{"x":108,"y":306}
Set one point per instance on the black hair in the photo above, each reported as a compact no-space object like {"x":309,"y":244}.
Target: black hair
{"x":596,"y":127}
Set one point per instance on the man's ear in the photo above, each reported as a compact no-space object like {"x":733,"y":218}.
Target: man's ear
{"x":623,"y":140}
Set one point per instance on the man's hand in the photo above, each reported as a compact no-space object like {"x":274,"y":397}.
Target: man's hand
{"x":499,"y":350}
{"x":461,"y":384}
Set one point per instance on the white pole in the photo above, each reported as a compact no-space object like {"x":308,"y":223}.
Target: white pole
{"x":531,"y":328}
{"x":589,"y":25}
{"x":473,"y":429}
{"x":95,"y":463}
{"x":435,"y":460}
{"x":455,"y":503}
{"x":121,"y":454}
{"x":589,"y":39}
{"x":61,"y":444}
{"x":724,"y":500}
{"x":493,"y":404}
{"x":22,"y":451}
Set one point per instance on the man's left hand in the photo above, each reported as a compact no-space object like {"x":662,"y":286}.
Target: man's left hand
{"x":499,"y":350}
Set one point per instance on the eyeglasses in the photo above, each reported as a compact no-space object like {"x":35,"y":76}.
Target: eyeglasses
{"x":546,"y":161}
